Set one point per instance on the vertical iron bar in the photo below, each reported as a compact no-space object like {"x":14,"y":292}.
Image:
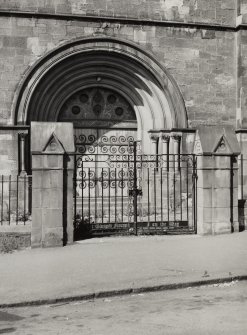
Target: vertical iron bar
{"x":17,"y":199}
{"x":115,"y":196}
{"x":135,"y":191}
{"x":82,"y":188}
{"x":89,"y":194}
{"x":102,"y":196}
{"x":148,"y":200}
{"x":2,"y":203}
{"x":187,"y":189}
{"x":168,"y":193}
{"x":109,"y":193}
{"x":95,"y":194}
{"x":194,"y":203}
{"x":29,"y":195}
{"x":242,"y":175}
{"x":75,"y":199}
{"x":231,"y":193}
{"x":174,"y":192}
{"x":122,"y":192}
{"x":180,"y":191}
{"x":9,"y":197}
{"x":155,"y":204}
{"x":161,"y":194}
{"x":24,"y":209}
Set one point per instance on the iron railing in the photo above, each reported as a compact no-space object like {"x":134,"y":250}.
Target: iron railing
{"x":15,"y":199}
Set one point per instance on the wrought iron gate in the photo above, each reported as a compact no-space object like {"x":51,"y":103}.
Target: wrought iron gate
{"x":119,"y":190}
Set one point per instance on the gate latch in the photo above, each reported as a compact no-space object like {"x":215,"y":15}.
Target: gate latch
{"x":137,"y":192}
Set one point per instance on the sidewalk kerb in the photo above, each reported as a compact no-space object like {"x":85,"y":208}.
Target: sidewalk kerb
{"x":122,"y":292}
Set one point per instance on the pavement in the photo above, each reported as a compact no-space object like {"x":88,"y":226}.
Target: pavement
{"x":110,"y":266}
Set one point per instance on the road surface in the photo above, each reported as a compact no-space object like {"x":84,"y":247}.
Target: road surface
{"x":215,"y":309}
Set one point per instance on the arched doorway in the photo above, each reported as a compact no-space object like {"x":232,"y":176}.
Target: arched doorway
{"x":114,"y":93}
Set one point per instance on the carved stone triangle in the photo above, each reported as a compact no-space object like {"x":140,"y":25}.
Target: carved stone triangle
{"x":53,"y":145}
{"x":197,"y":145}
{"x":222,"y":146}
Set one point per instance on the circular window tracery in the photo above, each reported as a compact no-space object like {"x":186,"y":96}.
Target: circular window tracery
{"x":75,"y":110}
{"x":84,"y":98}
{"x":96,"y":105}
{"x":111,"y":98}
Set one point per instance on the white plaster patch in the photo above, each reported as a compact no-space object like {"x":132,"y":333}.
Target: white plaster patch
{"x":140,"y":36}
{"x":223,"y":79}
{"x":78,"y":7}
{"x":188,"y":54}
{"x":239,"y":20}
{"x":171,"y":3}
{"x":50,"y":46}
{"x":33,"y":44}
{"x":189,"y":103}
{"x":183,"y":10}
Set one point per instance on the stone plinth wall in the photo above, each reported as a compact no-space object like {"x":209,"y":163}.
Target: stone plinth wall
{"x":217,"y":190}
{"x":207,"y":11}
{"x":47,"y":197}
{"x":10,"y":241}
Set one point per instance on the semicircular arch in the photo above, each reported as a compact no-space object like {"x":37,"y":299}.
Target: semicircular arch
{"x":116,"y":64}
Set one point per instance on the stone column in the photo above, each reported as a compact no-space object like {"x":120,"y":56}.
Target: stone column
{"x":22,"y":139}
{"x":164,"y":147}
{"x":154,"y":137}
{"x":176,"y":150}
{"x":52,"y":191}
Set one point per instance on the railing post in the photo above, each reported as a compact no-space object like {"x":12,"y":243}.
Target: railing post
{"x":135,"y":191}
{"x":194,"y":193}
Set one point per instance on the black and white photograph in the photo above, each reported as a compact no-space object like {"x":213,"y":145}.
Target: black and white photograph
{"x":123,"y":167}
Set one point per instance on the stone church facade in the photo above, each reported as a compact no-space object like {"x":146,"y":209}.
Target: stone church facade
{"x":170,"y":74}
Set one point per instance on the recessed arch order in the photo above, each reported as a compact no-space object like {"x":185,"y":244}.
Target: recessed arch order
{"x":107,"y":62}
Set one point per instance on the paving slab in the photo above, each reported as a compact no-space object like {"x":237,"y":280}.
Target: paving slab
{"x":119,"y":263}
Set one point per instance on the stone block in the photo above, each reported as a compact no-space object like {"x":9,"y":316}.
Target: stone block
{"x":36,"y":238}
{"x":53,"y":161}
{"x":221,"y":197}
{"x":205,"y":162}
{"x":204,"y":197}
{"x":53,"y":179}
{"x":36,"y":198}
{"x":204,"y":215}
{"x":52,"y":218}
{"x":220,"y":214}
{"x":222,"y":162}
{"x":204,"y":228}
{"x":37,"y":162}
{"x":205,"y":178}
{"x":37,"y":218}
{"x":14,"y":42}
{"x":37,"y":179}
{"x":52,"y":237}
{"x":222,"y":227}
{"x":52,"y":198}
{"x":221,"y":179}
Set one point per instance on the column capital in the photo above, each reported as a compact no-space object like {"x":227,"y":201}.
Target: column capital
{"x":22,"y":136}
{"x":165,"y":137}
{"x":176,"y":136}
{"x":154,"y":136}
